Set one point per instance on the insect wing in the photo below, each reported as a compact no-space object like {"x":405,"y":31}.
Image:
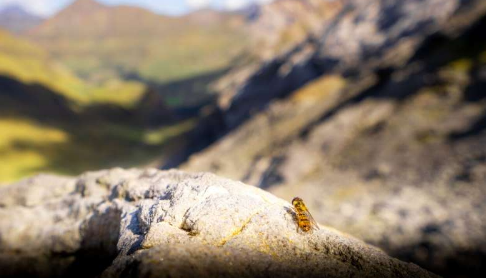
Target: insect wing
{"x":314,"y":225}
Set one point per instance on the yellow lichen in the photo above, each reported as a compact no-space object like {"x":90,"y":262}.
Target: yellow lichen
{"x":236,"y":231}
{"x":319,"y":89}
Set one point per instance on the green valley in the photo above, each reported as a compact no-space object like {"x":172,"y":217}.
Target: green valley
{"x":103,"y":42}
{"x":102,"y":84}
{"x":48,"y":116}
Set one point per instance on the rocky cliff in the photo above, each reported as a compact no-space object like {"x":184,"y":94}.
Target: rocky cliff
{"x":378,"y":119}
{"x":149,"y":223}
{"x":349,"y":37}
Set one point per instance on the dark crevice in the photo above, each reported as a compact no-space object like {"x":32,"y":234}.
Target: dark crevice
{"x":271,"y":176}
{"x":99,"y":245}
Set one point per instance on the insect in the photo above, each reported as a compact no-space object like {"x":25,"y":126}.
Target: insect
{"x":305,"y":220}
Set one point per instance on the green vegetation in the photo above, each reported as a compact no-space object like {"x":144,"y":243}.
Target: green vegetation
{"x":28,"y":63}
{"x":100,"y":59}
{"x":99,"y":42}
{"x":123,"y":93}
{"x":28,"y":147}
{"x":18,"y":161}
{"x":154,"y":59}
{"x":159,"y":136}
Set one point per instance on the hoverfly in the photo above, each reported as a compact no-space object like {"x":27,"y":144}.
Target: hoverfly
{"x":305,"y":220}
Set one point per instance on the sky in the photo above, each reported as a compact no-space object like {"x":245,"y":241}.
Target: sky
{"x":171,"y":7}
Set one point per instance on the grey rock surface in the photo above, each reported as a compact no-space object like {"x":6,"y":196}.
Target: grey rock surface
{"x":400,"y":144}
{"x":343,"y":36}
{"x":406,"y":154}
{"x":150,"y":223}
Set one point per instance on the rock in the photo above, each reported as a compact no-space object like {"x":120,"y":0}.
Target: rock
{"x":278,"y":26}
{"x":400,"y":144}
{"x":347,"y":36}
{"x":150,"y":223}
{"x":35,"y":191}
{"x":403,"y":150}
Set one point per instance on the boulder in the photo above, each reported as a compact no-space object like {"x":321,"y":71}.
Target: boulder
{"x":150,"y":223}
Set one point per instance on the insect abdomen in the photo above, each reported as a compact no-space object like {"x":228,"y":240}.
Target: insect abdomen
{"x":304,"y":222}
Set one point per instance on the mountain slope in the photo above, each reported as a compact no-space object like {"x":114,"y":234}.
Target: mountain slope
{"x":359,"y":36}
{"x":49,"y":117}
{"x":28,"y":63}
{"x":100,"y":42}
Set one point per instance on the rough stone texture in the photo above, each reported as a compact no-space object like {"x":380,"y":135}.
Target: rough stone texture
{"x":170,"y":224}
{"x":399,"y":144}
{"x":342,"y":36}
{"x":406,"y":154}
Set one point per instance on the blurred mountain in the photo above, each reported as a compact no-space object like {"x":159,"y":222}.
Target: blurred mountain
{"x":29,"y":63}
{"x":101,"y":42}
{"x":104,"y":81}
{"x":376,"y":115}
{"x":35,"y":85}
{"x":280,"y":25}
{"x":48,"y":116}
{"x":17,"y":20}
